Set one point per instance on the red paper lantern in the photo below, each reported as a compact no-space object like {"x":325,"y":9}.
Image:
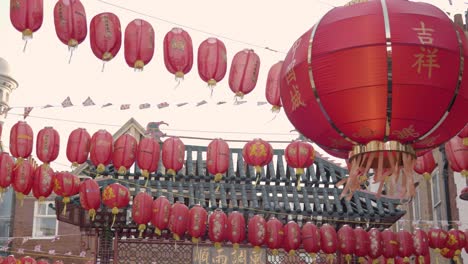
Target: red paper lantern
{"x":236,"y":228}
{"x":421,"y":245}
{"x":244,"y":72}
{"x":456,"y":240}
{"x":389,"y":244}
{"x":66,"y":185}
{"x":395,"y":102}
{"x":217,"y":158}
{"x":437,"y":239}
{"x":405,"y":245}
{"x":161,"y":212}
{"x":310,"y":238}
{"x":362,"y":240}
{"x":124,"y":153}
{"x":178,"y":52}
{"x":457,"y":155}
{"x":115,"y":196}
{"x":425,"y":164}
{"x":148,"y":156}
{"x":6,"y":171}
{"x":292,"y":237}
{"x":328,"y":241}
{"x":70,"y":22}
{"x":10,"y":260}
{"x":257,"y":153}
{"x":28,"y":260}
{"x":105,"y":36}
{"x":272,"y":90}
{"x":212,"y":61}
{"x":299,"y":155}
{"x":173,"y":155}
{"x":178,"y":220}
{"x":451,"y":254}
{"x":22,"y":179}
{"x":26,"y":16}
{"x":100,"y":152}
{"x":375,"y":248}
{"x":43,"y":183}
{"x":257,"y":231}
{"x":274,"y":234}
{"x":197,"y":221}
{"x":141,"y":210}
{"x":217,"y":225}
{"x":346,"y":242}
{"x":463,"y":134}
{"x":21,"y":140}
{"x":90,"y":197}
{"x":47,"y":145}
{"x":139,"y":43}
{"x":78,"y":146}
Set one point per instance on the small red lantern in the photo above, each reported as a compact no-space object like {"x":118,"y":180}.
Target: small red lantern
{"x":90,"y":197}
{"x":100,"y":151}
{"x":78,"y":146}
{"x":456,"y":240}
{"x":236,"y":228}
{"x":6,"y":171}
{"x":257,"y":153}
{"x":257,"y":231}
{"x":141,"y":210}
{"x":28,"y":260}
{"x":457,"y":155}
{"x":178,"y":52}
{"x":328,"y":241}
{"x":47,"y":145}
{"x":217,"y":158}
{"x":389,"y":244}
{"x":124,"y":153}
{"x":22,"y":179}
{"x":66,"y":185}
{"x":375,"y":248}
{"x":405,"y":245}
{"x":197,"y":221}
{"x":178,"y":220}
{"x":161,"y":209}
{"x":292,"y":237}
{"x":173,"y":155}
{"x":274,"y":234}
{"x":70,"y":23}
{"x":362,"y":247}
{"x":115,"y":196}
{"x":451,"y":254}
{"x":10,"y":260}
{"x":21,"y":141}
{"x":346,"y":242}
{"x":272,"y":91}
{"x":139,"y":43}
{"x":437,"y":239}
{"x":148,"y":156}
{"x":105,"y":36}
{"x":212,"y":61}
{"x":311,"y":238}
{"x":26,"y":16}
{"x":421,"y":244}
{"x":425,"y":164}
{"x":299,"y":155}
{"x":244,"y":72}
{"x":217,"y":224}
{"x":464,"y":135}
{"x":43,"y":183}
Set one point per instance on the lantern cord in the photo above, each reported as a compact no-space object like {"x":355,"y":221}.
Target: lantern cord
{"x":103,"y":66}
{"x":25,"y":45}
{"x":71,"y":55}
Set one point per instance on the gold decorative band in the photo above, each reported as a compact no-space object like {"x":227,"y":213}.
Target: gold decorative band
{"x":379,"y":146}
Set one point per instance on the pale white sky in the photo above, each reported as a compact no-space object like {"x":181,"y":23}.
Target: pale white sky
{"x":45,"y":77}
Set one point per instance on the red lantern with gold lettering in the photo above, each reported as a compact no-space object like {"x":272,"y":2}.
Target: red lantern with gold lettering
{"x":217,"y":223}
{"x":272,"y":90}
{"x":141,"y":210}
{"x":257,"y":231}
{"x":28,"y":260}
{"x":292,"y":237}
{"x":437,"y":239}
{"x":425,"y":164}
{"x":161,"y":211}
{"x":22,"y":179}
{"x":212,"y":61}
{"x":10,"y":260}
{"x":6,"y":171}
{"x":124,"y":153}
{"x":346,"y":242}
{"x":361,"y":250}
{"x":173,"y":155}
{"x":147,"y":156}
{"x":21,"y":141}
{"x":451,"y":254}
{"x":178,"y":220}
{"x":236,"y":228}
{"x":105,"y":36}
{"x":328,"y":241}
{"x":178,"y":52}
{"x":26,"y":16}
{"x":257,"y":153}
{"x":139,"y":43}
{"x":66,"y":184}
{"x":274,"y":234}
{"x":389,"y":244}
{"x":375,"y":248}
{"x":47,"y":145}
{"x":405,"y":245}
{"x":421,"y":245}
{"x":383,"y":126}
{"x":90,"y":197}
{"x":217,"y":158}
{"x":78,"y":146}
{"x":100,"y":152}
{"x":456,"y":240}
{"x":310,"y":238}
{"x":457,"y":155}
{"x":43,"y":183}
{"x":244,"y":72}
{"x":70,"y":23}
{"x":197,"y":221}
{"x":299,"y":155}
{"x":115,"y":196}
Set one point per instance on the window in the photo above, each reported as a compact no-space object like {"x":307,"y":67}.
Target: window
{"x":45,"y":223}
{"x":436,"y":202}
{"x":416,"y":210}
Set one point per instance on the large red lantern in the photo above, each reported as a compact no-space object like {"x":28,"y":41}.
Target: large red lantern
{"x":10,"y":260}
{"x":292,"y":237}
{"x":362,"y":248}
{"x":257,"y":231}
{"x":310,"y":238}
{"x":257,"y":153}
{"x":21,"y":140}
{"x":43,"y":183}
{"x":115,"y":196}
{"x":375,"y":248}
{"x":6,"y":171}
{"x":66,"y":184}
{"x":178,"y":52}
{"x":212,"y":61}
{"x":173,"y":155}
{"x":299,"y":155}
{"x":464,"y":135}
{"x":236,"y":228}
{"x":26,"y":16}
{"x":139,"y":43}
{"x":70,"y":23}
{"x":407,"y":95}
{"x":148,"y":156}
{"x":105,"y":36}
{"x":178,"y":220}
{"x":124,"y":153}
{"x":197,"y":222}
{"x":90,"y":197}
{"x":346,"y":242}
{"x":272,"y":90}
{"x":243,"y":74}
{"x":217,"y":158}
{"x":389,"y":244}
{"x":100,"y":152}
{"x":217,"y":224}
{"x":141,"y":210}
{"x":328,"y":241}
{"x":425,"y":164}
{"x":437,"y":239}
{"x":22,"y":179}
{"x":421,"y":245}
{"x":457,"y":155}
{"x":405,"y":245}
{"x":47,"y":145}
{"x":78,"y":146}
{"x":28,"y":260}
{"x":274,"y":234}
{"x":161,"y":211}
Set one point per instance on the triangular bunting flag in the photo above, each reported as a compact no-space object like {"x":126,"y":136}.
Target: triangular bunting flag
{"x":37,"y":248}
{"x":181,"y":104}
{"x":144,"y":106}
{"x":27,"y":111}
{"x":88,"y":102}
{"x":125,"y":107}
{"x":163,"y":105}
{"x":47,"y":106}
{"x":4,"y":111}
{"x":20,"y":250}
{"x":240,"y":102}
{"x":106,"y":105}
{"x":67,"y":102}
{"x":261,"y":103}
{"x":201,"y":103}
{"x":220,"y":102}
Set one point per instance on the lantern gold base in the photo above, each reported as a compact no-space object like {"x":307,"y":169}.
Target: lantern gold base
{"x":381,"y":147}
